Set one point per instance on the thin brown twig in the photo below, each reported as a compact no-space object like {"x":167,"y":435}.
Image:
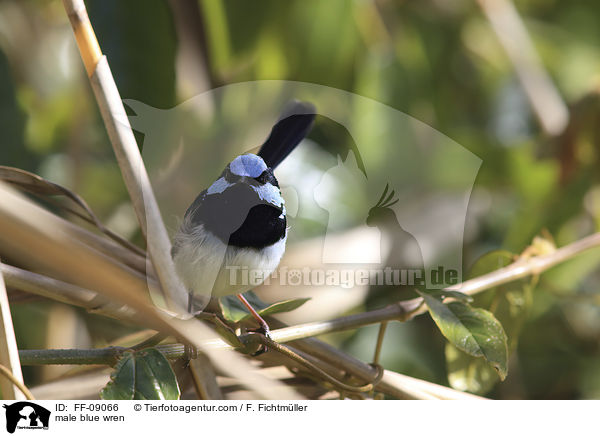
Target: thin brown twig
{"x":204,"y":378}
{"x":286,"y":351}
{"x":379,"y":345}
{"x":405,"y":310}
{"x":4,"y":371}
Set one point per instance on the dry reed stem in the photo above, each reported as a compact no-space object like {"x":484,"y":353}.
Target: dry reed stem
{"x":11,"y":383}
{"x":128,"y":155}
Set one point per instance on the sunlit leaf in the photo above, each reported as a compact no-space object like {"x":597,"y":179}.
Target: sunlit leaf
{"x":283,"y":306}
{"x":475,"y":331}
{"x":509,"y":304}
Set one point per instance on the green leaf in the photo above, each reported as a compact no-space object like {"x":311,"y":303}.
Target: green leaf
{"x":509,"y":303}
{"x":475,"y":331}
{"x":283,"y":306}
{"x":142,"y":375}
{"x":234,"y":310}
{"x":122,"y":380}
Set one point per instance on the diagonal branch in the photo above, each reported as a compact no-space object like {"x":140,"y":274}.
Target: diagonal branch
{"x":405,"y":310}
{"x":127,"y":153}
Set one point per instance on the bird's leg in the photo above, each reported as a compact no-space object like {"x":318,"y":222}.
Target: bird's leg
{"x":190,"y":302}
{"x":189,"y":352}
{"x":263,"y":324}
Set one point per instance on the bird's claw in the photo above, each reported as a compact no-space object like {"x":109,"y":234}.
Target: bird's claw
{"x":262,"y":348}
{"x":189,"y":353}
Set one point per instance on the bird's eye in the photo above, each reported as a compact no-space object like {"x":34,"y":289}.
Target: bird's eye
{"x":266,"y":177}
{"x":262,"y":179}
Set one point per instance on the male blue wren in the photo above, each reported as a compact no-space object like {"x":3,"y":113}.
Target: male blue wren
{"x":240,"y":220}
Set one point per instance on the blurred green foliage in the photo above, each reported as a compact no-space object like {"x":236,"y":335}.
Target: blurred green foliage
{"x":437,"y":61}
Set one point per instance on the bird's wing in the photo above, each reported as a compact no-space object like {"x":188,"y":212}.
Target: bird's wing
{"x":294,"y":124}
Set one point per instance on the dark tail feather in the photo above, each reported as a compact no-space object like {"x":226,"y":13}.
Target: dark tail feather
{"x":294,"y":124}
